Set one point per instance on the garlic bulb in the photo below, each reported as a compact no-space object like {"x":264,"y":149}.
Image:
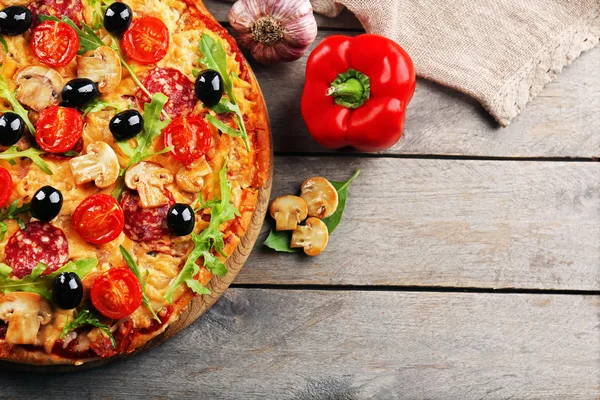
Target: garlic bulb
{"x":274,"y":30}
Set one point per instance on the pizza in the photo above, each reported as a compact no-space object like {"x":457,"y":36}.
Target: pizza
{"x":134,"y":144}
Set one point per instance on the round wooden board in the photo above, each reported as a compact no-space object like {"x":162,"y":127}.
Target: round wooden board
{"x":199,"y":304}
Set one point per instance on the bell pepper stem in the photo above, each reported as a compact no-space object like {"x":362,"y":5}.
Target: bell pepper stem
{"x":351,"y":89}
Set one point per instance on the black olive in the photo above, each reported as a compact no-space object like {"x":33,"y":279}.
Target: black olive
{"x":117,"y":18}
{"x":209,"y":87}
{"x":181,"y":219}
{"x":126,"y":125}
{"x":67,"y":290}
{"x":78,"y":92}
{"x":12,"y":128}
{"x":46,"y":203}
{"x":15,"y":20}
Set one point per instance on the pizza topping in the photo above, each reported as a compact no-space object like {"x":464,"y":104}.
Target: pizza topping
{"x":149,"y":180}
{"x":100,"y":164}
{"x":39,"y":242}
{"x":15,"y":20}
{"x":12,"y":128}
{"x":190,"y":138}
{"x":6,"y":186}
{"x":144,"y":224}
{"x":175,"y":85}
{"x":312,"y":237}
{"x":288,"y":212}
{"x":126,"y":125}
{"x":209,"y":87}
{"x":58,"y":129}
{"x":101,"y":65}
{"x":146,"y":40}
{"x":99,"y":219}
{"x":46,"y":203}
{"x":67,"y":290}
{"x":78,"y":92}
{"x":181,"y":219}
{"x":320,"y":196}
{"x":24,"y":313}
{"x":54,"y":43}
{"x":191,"y":178}
{"x":117,"y":18}
{"x":72,"y":9}
{"x":117,"y":293}
{"x":38,"y":87}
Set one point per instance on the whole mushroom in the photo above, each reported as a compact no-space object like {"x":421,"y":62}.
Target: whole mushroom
{"x":320,"y":196}
{"x":100,"y":164}
{"x":24,"y":313}
{"x":313,"y":237}
{"x":149,"y":180}
{"x":288,"y":212}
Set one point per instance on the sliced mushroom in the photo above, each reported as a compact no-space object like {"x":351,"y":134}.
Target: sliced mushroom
{"x":191,"y":179}
{"x":320,"y":196}
{"x":313,"y":237}
{"x":149,"y":180}
{"x":38,"y":87}
{"x":101,"y":65}
{"x":100,"y":164}
{"x":24,"y":313}
{"x":288,"y":212}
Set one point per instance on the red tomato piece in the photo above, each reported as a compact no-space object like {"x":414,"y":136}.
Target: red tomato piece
{"x":99,"y":219}
{"x":117,"y":293}
{"x":173,"y":84}
{"x":54,"y":43}
{"x":6,"y":186}
{"x":58,"y":129}
{"x":146,"y":40}
{"x":190,"y":137}
{"x":72,"y":9}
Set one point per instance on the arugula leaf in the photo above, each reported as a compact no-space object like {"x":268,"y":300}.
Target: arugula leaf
{"x":4,"y":44}
{"x":208,"y":242}
{"x":99,"y":7}
{"x":12,"y":212}
{"x":31,"y":153}
{"x":42,"y":285}
{"x":98,"y":105}
{"x":88,"y":40}
{"x":86,"y":317}
{"x":152,"y":128}
{"x":280,"y":241}
{"x":223,"y":127}
{"x":214,"y":57}
{"x":18,"y":109}
{"x":136,"y":271}
{"x":342,"y":188}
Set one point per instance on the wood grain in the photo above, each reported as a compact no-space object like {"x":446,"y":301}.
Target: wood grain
{"x":358,"y":345}
{"x":454,"y":223}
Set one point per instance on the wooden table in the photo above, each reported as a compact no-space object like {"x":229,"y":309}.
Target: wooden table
{"x":466,"y":266}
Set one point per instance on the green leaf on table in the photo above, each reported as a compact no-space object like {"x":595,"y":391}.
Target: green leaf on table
{"x":136,"y":271}
{"x":42,"y":285}
{"x":342,"y":188}
{"x":280,"y":241}
{"x":33,"y":154}
{"x":83,"y":318}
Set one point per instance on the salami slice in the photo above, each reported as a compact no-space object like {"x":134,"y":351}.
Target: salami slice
{"x":39,"y":242}
{"x":144,"y":224}
{"x":73,"y":9}
{"x":173,"y":84}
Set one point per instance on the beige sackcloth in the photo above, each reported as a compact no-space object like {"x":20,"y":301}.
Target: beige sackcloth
{"x":501,"y":52}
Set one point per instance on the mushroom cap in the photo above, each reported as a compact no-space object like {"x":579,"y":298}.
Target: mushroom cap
{"x":24,"y":312}
{"x":288,"y":212}
{"x":320,"y":196}
{"x":191,"y":178}
{"x":149,"y":179}
{"x":100,"y":164}
{"x":103,"y":66}
{"x":313,"y":237}
{"x":38,"y":87}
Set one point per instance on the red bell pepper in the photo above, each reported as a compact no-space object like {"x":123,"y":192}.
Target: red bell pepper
{"x":356,"y":92}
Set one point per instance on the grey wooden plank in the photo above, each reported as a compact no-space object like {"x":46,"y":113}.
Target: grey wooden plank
{"x":454,"y":223}
{"x":346,"y":20}
{"x":358,"y":345}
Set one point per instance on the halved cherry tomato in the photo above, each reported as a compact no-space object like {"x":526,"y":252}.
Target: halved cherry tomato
{"x":54,"y":43}
{"x":58,"y":129}
{"x":117,"y":293}
{"x":146,"y":40}
{"x":190,"y":138}
{"x":99,"y":219}
{"x":6,"y":186}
